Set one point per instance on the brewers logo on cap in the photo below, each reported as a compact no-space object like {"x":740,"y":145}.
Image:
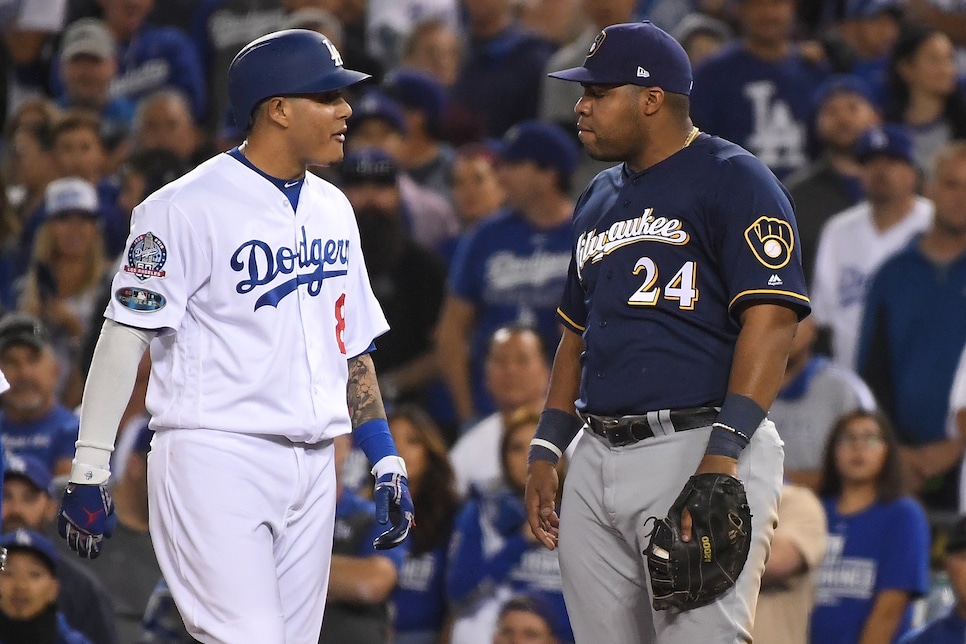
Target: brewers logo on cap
{"x":594,"y":46}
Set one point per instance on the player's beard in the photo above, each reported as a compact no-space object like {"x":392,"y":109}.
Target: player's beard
{"x":383,"y":238}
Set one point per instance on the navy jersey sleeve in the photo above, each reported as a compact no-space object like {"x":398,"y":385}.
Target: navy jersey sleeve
{"x":757,"y":238}
{"x":573,"y":307}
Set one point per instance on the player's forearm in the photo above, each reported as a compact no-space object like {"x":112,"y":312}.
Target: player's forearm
{"x":110,"y":382}
{"x":362,"y":391}
{"x":761,"y":352}
{"x":565,"y":375}
{"x":361,"y":580}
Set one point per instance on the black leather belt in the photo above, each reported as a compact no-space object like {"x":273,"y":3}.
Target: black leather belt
{"x":625,"y":430}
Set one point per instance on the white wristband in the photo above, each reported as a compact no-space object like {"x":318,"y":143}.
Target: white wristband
{"x":86,"y":474}
{"x":389,"y":465}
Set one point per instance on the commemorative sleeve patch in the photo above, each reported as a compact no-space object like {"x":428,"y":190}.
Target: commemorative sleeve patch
{"x":146,"y":257}
{"x":771,"y":240}
{"x":140,"y":299}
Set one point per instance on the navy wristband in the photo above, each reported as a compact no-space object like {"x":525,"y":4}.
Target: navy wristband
{"x":737,"y":421}
{"x":555,"y":432}
{"x":374,"y":438}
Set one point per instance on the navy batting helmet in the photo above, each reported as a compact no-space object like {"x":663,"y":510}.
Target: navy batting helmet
{"x":285,"y":63}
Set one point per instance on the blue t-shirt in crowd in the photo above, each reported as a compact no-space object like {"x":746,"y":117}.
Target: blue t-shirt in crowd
{"x":49,"y":439}
{"x":513,"y":273}
{"x":950,"y":629}
{"x":762,"y":105}
{"x":884,"y":547}
{"x":420,"y":595}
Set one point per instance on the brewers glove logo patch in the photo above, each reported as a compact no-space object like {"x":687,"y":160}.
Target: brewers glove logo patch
{"x":771,"y":240}
{"x":146,"y":256}
{"x":140,"y":299}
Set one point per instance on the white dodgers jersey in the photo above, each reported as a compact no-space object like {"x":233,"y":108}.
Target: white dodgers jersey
{"x":258,"y":307}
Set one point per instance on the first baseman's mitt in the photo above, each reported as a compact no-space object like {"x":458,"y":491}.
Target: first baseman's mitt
{"x":685,"y":575}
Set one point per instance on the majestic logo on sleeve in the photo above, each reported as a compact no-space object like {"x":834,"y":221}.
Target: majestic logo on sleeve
{"x":593,"y":246}
{"x":146,"y":256}
{"x":263,"y":264}
{"x":771,"y":240}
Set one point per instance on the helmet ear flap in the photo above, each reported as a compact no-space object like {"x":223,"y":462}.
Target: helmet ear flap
{"x":291,"y":61}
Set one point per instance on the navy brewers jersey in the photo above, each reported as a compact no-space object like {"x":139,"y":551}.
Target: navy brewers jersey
{"x":663,"y":263}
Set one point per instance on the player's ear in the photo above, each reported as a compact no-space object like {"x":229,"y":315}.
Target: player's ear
{"x":652,"y":98}
{"x":279,"y":110}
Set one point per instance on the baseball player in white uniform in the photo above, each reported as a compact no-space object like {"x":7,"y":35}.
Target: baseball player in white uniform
{"x":246,"y":278}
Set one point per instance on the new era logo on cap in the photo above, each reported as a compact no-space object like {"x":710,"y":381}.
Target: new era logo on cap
{"x":642,"y":73}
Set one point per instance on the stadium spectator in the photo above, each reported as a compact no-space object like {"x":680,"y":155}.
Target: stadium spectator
{"x":67,"y":267}
{"x":494,"y":553}
{"x":377,"y":121}
{"x":950,"y":628}
{"x":423,"y":153}
{"x":434,"y":47}
{"x":504,"y":63}
{"x":912,"y":335}
{"x":877,"y":560}
{"x":362,"y":578}
{"x":419,"y":600}
{"x":390,"y":22}
{"x":525,"y":619}
{"x":833,"y":181}
{"x":517,"y":372}
{"x":163,"y":122}
{"x":32,"y":421}
{"x":815,"y":393}
{"x":28,"y":505}
{"x":28,"y":593}
{"x":855,"y":242}
{"x":408,"y":280}
{"x":88,"y":64}
{"x":923,"y":92}
{"x":702,"y":36}
{"x":757,"y":92}
{"x":788,"y":583}
{"x":509,"y":269}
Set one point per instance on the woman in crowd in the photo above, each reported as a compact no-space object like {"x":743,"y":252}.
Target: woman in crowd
{"x":878,"y":544}
{"x":494,"y":553}
{"x":420,"y":597}
{"x":923,"y":91}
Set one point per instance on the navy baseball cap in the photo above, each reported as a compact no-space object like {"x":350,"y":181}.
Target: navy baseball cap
{"x":29,"y":468}
{"x":30,"y":541}
{"x":376,"y":104}
{"x":368,"y":165}
{"x":635,"y":53}
{"x":546,"y":144}
{"x":417,"y":91}
{"x":888,"y":140}
{"x":841,"y":84}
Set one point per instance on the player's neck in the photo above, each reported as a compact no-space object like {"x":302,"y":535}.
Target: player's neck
{"x":267,"y":159}
{"x":662,"y":143}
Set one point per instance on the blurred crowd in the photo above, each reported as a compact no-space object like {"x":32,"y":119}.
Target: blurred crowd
{"x":463,"y":167}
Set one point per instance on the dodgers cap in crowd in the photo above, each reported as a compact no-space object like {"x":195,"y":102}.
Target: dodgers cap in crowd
{"x":636,"y":53}
{"x":368,"y":165}
{"x":546,"y":144}
{"x":841,"y":84}
{"x":30,"y":541}
{"x":889,"y":140}
{"x":87,"y":37}
{"x":376,"y":104}
{"x":29,"y":468}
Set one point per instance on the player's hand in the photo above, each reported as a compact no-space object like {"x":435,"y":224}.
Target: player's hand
{"x":393,"y":503}
{"x":710,"y":463}
{"x":86,"y":516}
{"x":540,"y":499}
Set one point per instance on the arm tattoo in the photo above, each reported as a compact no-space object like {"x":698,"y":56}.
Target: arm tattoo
{"x":362,"y":392}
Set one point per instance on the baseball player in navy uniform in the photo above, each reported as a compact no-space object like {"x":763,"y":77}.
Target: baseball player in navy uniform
{"x":684,"y":293}
{"x":247,"y":280}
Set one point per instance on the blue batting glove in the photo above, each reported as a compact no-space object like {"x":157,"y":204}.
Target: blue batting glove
{"x":86,"y":517}
{"x":394,"y":503}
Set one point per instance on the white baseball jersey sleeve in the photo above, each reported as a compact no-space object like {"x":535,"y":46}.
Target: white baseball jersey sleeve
{"x":258,"y":307}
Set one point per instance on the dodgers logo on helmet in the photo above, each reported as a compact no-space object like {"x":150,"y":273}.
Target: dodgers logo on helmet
{"x":146,"y":256}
